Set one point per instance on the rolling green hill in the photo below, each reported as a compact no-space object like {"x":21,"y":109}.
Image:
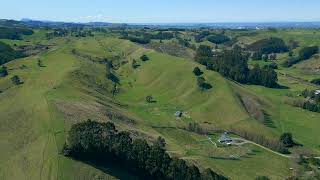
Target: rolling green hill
{"x":71,"y":88}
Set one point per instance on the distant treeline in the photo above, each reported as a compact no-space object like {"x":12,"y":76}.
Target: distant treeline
{"x":103,"y":143}
{"x":76,"y":32}
{"x":217,"y":38}
{"x":7,"y":53}
{"x":233,"y":64}
{"x":14,"y":33}
{"x":143,"y":37}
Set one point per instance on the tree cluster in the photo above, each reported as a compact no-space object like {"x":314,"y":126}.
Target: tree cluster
{"x":102,"y":143}
{"x":203,"y":85}
{"x":311,"y":103}
{"x":16,"y":80}
{"x":233,"y":64}
{"x":3,"y":71}
{"x":308,"y":105}
{"x":204,"y":55}
{"x":7,"y":53}
{"x":315,"y":81}
{"x":201,"y":36}
{"x":136,"y":39}
{"x":14,"y":33}
{"x":197,"y":71}
{"x":311,"y":106}
{"x":311,"y":94}
{"x":162,"y":35}
{"x":218,"y":38}
{"x":269,"y":45}
{"x":308,"y":52}
{"x":265,"y":76}
{"x":304,"y":54}
{"x":287,"y":140}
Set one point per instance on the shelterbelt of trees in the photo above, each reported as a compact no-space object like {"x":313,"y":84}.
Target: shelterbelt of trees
{"x":233,"y":64}
{"x":102,"y":143}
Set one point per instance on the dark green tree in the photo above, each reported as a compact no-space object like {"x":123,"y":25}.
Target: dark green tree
{"x":144,"y":58}
{"x":202,"y":84}
{"x":204,"y":54}
{"x":197,"y":71}
{"x":308,"y":52}
{"x":3,"y":71}
{"x":135,"y":64}
{"x":16,"y":80}
{"x":287,"y":140}
{"x":262,"y":178}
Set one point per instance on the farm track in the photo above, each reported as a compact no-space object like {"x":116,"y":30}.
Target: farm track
{"x":265,"y":148}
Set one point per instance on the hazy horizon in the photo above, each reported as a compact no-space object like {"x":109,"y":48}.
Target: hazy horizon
{"x":165,"y":11}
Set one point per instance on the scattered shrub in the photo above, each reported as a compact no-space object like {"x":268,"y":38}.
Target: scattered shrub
{"x":203,"y":84}
{"x":135,"y":64}
{"x":16,"y":80}
{"x":113,"y":77}
{"x":144,"y":58}
{"x":197,"y":71}
{"x":149,"y":99}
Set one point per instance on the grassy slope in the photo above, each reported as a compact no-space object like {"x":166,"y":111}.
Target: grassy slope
{"x":32,"y":136}
{"x":175,"y":89}
{"x":169,"y":80}
{"x":287,"y":118}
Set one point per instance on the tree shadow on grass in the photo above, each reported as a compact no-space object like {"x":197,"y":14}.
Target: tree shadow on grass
{"x":282,"y":87}
{"x":109,"y":168}
{"x":224,"y":158}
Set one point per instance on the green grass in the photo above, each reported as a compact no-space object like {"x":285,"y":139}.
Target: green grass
{"x":36,"y":115}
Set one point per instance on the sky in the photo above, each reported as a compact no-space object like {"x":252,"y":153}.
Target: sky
{"x":162,"y":11}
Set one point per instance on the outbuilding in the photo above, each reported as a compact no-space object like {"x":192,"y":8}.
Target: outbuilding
{"x":178,"y":114}
{"x":224,"y":138}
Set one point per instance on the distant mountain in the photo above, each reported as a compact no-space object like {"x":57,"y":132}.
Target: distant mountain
{"x":45,"y":23}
